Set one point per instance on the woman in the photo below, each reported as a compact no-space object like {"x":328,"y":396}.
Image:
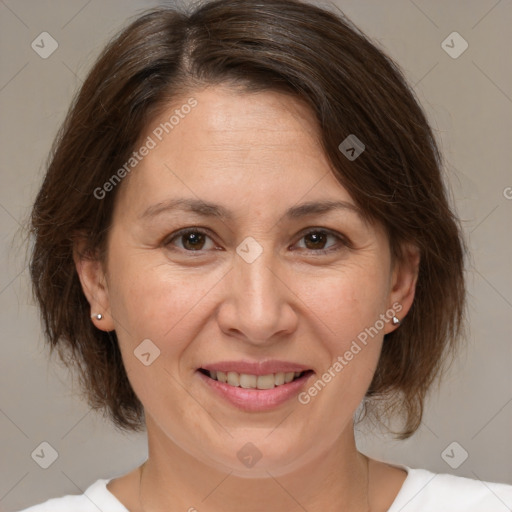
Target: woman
{"x":243,"y":236}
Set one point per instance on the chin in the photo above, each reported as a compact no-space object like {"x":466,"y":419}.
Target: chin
{"x":258,"y":459}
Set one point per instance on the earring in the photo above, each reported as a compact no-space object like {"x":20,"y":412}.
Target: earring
{"x":395,"y":321}
{"x":98,"y":316}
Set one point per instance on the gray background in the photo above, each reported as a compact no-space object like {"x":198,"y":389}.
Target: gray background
{"x":468,"y":100}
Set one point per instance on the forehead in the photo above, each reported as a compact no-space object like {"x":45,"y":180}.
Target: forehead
{"x":230,"y":108}
{"x":234,"y":121}
{"x":235,"y":146}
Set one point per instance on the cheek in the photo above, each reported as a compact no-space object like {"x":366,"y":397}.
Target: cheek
{"x":346,"y":306}
{"x":149,"y":302}
{"x":346,"y":301}
{"x":150,"y":299}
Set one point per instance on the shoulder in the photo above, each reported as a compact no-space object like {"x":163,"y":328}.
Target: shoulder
{"x":424,"y":491}
{"x":95,"y":498}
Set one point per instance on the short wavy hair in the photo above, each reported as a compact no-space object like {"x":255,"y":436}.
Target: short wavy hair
{"x":352,"y":87}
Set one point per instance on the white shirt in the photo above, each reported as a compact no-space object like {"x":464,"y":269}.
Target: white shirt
{"x":422,"y":491}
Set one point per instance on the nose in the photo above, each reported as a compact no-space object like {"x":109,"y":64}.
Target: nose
{"x":258,"y":306}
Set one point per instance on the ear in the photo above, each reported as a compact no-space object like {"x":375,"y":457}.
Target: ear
{"x":94,"y":285}
{"x":403,"y":283}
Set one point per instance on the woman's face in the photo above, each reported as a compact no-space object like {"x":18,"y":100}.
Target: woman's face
{"x":189,"y":289}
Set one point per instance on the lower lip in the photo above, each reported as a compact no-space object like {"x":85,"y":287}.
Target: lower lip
{"x":254,"y":400}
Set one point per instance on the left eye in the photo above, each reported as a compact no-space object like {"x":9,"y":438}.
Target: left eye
{"x":318,"y":237}
{"x":195,"y":239}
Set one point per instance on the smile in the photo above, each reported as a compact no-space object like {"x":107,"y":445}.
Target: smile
{"x":249,"y":381}
{"x":255,"y":387}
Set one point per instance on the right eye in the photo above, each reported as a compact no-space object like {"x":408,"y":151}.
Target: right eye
{"x":192,"y":239}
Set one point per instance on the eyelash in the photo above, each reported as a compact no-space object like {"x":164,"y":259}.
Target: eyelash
{"x":344,"y":241}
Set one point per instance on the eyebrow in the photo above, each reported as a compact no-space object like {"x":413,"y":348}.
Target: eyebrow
{"x":208,"y":209}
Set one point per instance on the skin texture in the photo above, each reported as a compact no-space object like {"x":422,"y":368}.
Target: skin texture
{"x":256,"y":154}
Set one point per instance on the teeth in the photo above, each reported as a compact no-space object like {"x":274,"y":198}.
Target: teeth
{"x":233,"y":379}
{"x":266,"y":381}
{"x":248,"y":381}
{"x":279,"y":379}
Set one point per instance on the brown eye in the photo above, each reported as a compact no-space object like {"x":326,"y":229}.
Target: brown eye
{"x":316,"y":240}
{"x":191,"y":240}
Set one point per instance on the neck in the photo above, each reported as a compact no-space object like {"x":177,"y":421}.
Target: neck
{"x":173,"y":480}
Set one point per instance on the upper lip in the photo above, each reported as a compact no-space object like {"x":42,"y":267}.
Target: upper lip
{"x":256,"y":367}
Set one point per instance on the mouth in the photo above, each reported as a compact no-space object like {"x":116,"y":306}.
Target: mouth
{"x":264,"y":387}
{"x":251,"y":381}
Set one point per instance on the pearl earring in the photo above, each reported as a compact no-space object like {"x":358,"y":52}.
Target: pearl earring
{"x":395,"y":321}
{"x":98,"y":316}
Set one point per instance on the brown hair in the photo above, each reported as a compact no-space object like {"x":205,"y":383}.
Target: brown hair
{"x":352,"y":88}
